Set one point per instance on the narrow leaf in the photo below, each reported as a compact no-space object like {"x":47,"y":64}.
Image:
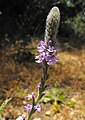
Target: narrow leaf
{"x":4,"y":104}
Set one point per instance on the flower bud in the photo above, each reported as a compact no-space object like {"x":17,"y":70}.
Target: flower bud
{"x":52,"y":24}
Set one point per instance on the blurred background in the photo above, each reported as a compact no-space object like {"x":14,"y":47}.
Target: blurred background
{"x":21,"y":19}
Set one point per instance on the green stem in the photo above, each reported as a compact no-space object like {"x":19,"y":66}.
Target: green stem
{"x":30,"y":114}
{"x":43,"y":80}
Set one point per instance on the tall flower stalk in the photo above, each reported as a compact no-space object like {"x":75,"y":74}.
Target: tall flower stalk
{"x":47,"y":56}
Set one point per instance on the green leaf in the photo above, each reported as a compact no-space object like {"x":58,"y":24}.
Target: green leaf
{"x":53,"y":91}
{"x":60,"y":98}
{"x":53,"y":94}
{"x":71,"y":103}
{"x":46,"y":99}
{"x":4,"y":104}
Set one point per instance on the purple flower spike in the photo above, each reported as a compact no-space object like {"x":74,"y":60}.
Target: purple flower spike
{"x":21,"y":117}
{"x":39,"y":85}
{"x":28,"y":107}
{"x":47,"y":53}
{"x":37,"y":107}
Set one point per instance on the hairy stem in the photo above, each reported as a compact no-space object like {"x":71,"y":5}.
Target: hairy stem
{"x":43,"y":80}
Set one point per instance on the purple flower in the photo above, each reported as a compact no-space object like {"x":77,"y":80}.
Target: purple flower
{"x":51,"y":49}
{"x":30,"y":96}
{"x":42,"y":46}
{"x":21,"y":117}
{"x":47,"y":53}
{"x":39,"y":85}
{"x":47,"y":86}
{"x":37,"y":107}
{"x":28,"y":107}
{"x":43,"y":93}
{"x":40,"y":58}
{"x":52,"y":58}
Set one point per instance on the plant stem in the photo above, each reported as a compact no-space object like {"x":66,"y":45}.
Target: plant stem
{"x":31,"y":112}
{"x":45,"y":69}
{"x":43,"y":80}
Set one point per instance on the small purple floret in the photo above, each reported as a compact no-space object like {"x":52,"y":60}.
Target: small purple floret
{"x":51,"y":49}
{"x":28,"y":107}
{"x":30,"y":96}
{"x":43,"y":93}
{"x":21,"y":117}
{"x":37,"y":107}
{"x":47,"y":86}
{"x":39,"y":85}
{"x":42,"y":46}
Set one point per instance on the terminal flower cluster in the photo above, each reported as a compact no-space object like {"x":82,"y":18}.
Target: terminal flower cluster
{"x":47,"y":53}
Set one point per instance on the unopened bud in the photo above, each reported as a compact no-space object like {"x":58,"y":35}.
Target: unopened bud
{"x":52,"y":24}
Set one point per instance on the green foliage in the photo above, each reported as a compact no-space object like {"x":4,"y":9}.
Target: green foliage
{"x":75,"y":30}
{"x":71,"y":103}
{"x":78,"y":25}
{"x":3,"y":105}
{"x":20,"y":92}
{"x":53,"y":94}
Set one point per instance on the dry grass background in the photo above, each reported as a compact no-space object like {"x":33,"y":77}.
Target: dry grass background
{"x":19,"y":79}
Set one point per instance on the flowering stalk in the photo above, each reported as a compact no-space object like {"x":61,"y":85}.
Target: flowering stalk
{"x":41,"y":89}
{"x":43,"y":80}
{"x":47,"y":56}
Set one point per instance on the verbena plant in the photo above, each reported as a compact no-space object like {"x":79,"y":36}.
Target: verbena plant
{"x":47,"y":56}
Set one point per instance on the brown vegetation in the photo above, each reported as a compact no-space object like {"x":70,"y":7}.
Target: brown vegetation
{"x":19,"y":79}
